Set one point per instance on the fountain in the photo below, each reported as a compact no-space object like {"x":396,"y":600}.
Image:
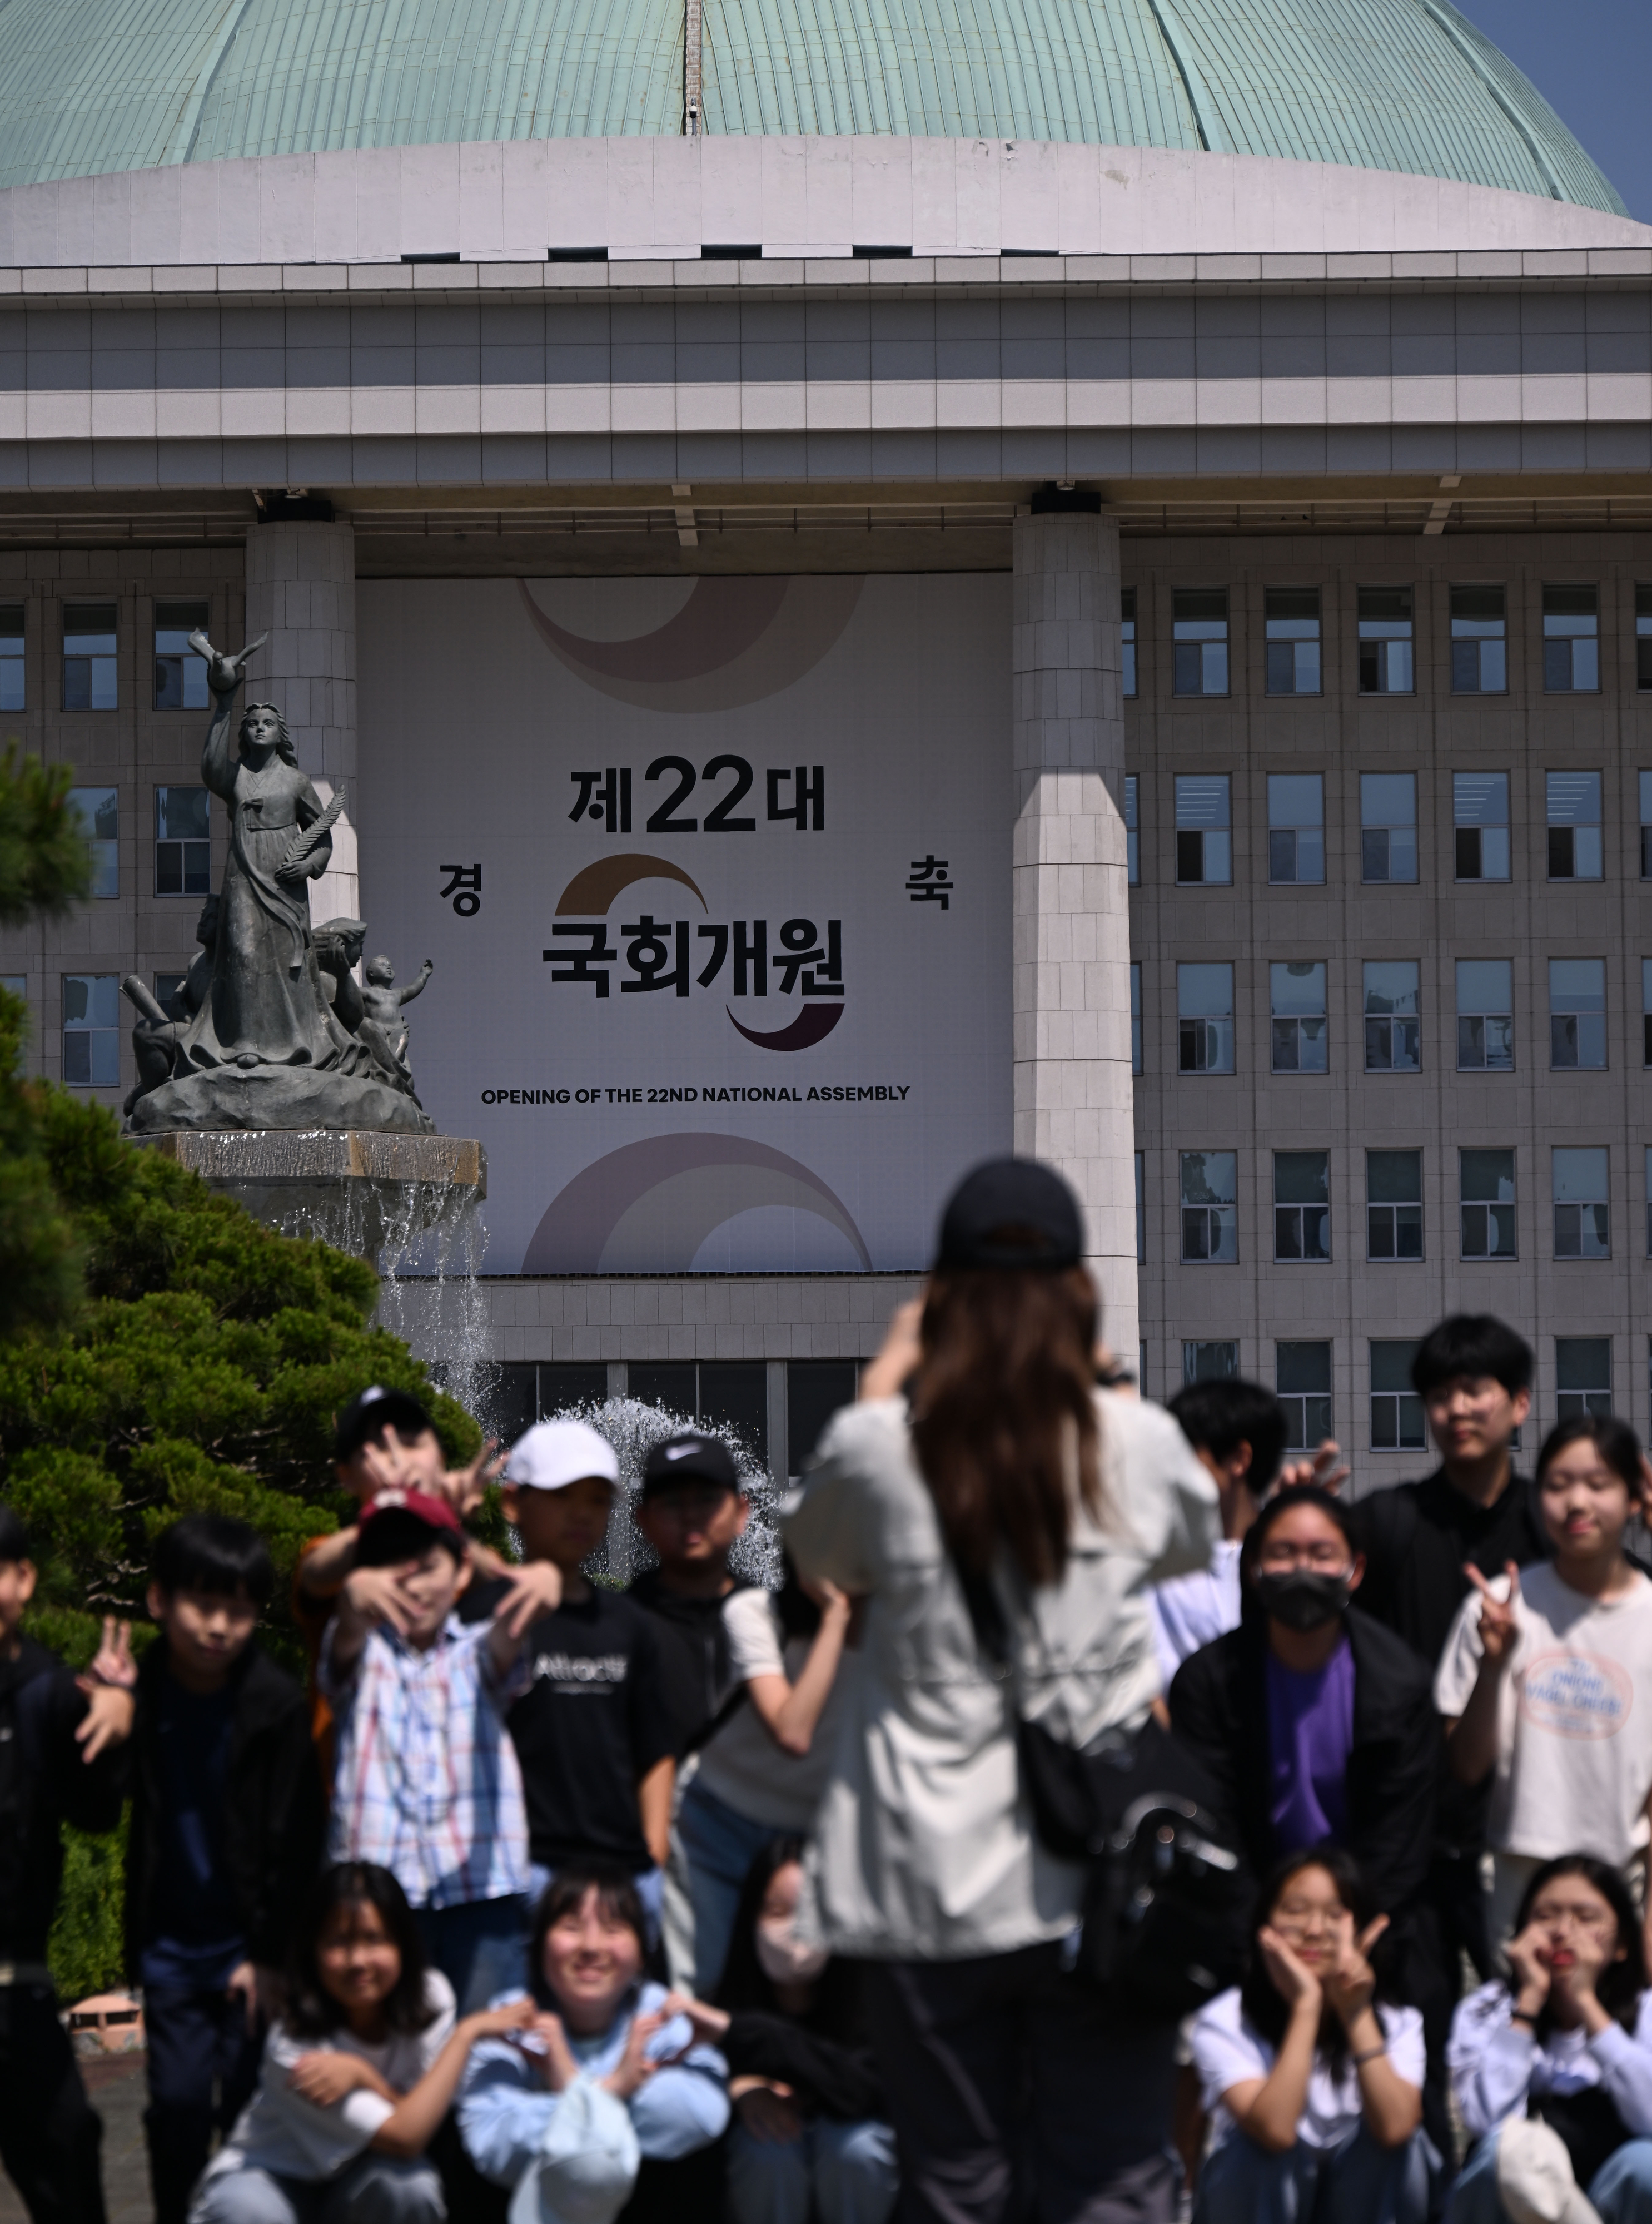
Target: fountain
{"x":275,"y":1075}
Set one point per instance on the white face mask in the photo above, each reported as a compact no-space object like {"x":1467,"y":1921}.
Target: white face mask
{"x":784,"y":1958}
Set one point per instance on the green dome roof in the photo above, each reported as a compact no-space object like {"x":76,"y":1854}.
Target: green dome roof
{"x":90,"y":86}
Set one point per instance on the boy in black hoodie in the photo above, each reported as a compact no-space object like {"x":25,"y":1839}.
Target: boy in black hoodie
{"x":59,"y":1763}
{"x":225,"y":1840}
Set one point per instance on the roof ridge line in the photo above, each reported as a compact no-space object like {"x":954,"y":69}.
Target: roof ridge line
{"x":189,"y":124}
{"x":1179,"y":46}
{"x":1476,"y":60}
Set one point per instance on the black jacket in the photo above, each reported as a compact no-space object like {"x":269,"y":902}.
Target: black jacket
{"x":698,"y":1676}
{"x":1219,"y":1705}
{"x":825,"y":2055}
{"x":274,"y":1819}
{"x":44,"y":1783}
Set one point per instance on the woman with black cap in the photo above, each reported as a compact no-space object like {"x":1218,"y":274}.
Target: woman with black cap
{"x":1002,"y":1470}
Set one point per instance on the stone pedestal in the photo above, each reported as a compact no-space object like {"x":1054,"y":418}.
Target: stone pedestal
{"x":1071,"y":906}
{"x":352,"y":1187}
{"x":301,"y":590}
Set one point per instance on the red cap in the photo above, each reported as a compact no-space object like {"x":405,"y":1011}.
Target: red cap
{"x":418,"y":1505}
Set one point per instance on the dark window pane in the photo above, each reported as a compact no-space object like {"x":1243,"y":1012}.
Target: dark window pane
{"x":735,"y":1395}
{"x":1468,"y":853}
{"x":1189,"y":668}
{"x":1281,"y":667}
{"x":670,"y":1384}
{"x":1557,"y":667}
{"x":815,"y":1389}
{"x":507,"y":1399}
{"x":571,"y":1383}
{"x":1465,"y":668}
{"x":1190,"y":856}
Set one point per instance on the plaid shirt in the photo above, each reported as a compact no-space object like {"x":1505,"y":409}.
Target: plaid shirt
{"x":427,"y":1783}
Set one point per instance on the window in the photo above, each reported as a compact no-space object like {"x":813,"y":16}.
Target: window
{"x":1388,"y":825}
{"x":168,"y":985}
{"x":1393,"y":1204}
{"x":1576,"y":1015}
{"x":1393,"y":1019}
{"x":89,"y":656}
{"x":1204,"y":1010}
{"x":1643,"y":637}
{"x":1132,"y":833}
{"x":1646,"y":826}
{"x":1293,"y":621}
{"x":1385,"y":640}
{"x":1582,"y":1376}
{"x":99,"y":812}
{"x":1646,"y":1009}
{"x":1648,"y":1199}
{"x":1486,"y":1191}
{"x":92,"y":1040}
{"x":1210,"y":1362}
{"x":1302,"y":1206}
{"x":1135,"y":1019}
{"x":1571,"y":640}
{"x":815,"y":1390}
{"x":1479,"y":805}
{"x":1574,"y":849}
{"x":1296,"y":1003}
{"x":1303,"y":1379}
{"x":11,"y":656}
{"x":1485,"y":1015}
{"x":1480,"y":641}
{"x":1297,"y":827}
{"x":1582,"y":1205}
{"x":1127,"y":636}
{"x":1199,"y":631}
{"x":1141,"y":1208}
{"x":1209,"y":1208}
{"x":183,"y":847}
{"x":1204,"y":840}
{"x":718,"y":1393}
{"x":1396,"y":1409}
{"x":180,"y":673}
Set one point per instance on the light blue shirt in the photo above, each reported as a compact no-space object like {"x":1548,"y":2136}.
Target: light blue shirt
{"x":505,"y":2110}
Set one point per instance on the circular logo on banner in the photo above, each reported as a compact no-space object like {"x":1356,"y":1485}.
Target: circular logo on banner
{"x":1576,"y":1695}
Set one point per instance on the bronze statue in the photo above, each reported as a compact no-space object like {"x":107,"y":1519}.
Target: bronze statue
{"x":271,"y":1038}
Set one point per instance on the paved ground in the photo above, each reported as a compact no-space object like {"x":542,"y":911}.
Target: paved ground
{"x":117,"y":2090}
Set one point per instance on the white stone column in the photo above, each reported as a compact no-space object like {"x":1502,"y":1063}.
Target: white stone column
{"x":1071,"y":907}
{"x":301,"y":590}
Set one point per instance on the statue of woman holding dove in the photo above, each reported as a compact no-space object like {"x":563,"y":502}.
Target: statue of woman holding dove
{"x":267,"y":1006}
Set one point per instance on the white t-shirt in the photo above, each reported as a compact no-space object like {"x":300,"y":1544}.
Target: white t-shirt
{"x":742,"y":1765}
{"x":1228,"y":2050}
{"x":1193,"y":1611}
{"x":290,"y":2138}
{"x":1574,"y":1717}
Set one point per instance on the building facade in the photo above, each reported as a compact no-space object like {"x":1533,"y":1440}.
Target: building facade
{"x":1311,"y":722}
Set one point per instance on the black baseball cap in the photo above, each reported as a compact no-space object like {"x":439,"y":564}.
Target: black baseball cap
{"x":689,"y":1457}
{"x":1012,"y":1213}
{"x":370,"y":1412}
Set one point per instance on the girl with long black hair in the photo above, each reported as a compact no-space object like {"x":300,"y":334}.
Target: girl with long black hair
{"x":1003,"y":1472}
{"x":357,"y":2075}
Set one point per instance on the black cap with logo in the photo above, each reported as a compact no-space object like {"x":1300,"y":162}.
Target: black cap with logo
{"x":369,"y":1414}
{"x":689,"y":1457}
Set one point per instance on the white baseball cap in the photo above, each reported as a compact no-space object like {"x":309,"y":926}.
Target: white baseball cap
{"x":553,"y":1454}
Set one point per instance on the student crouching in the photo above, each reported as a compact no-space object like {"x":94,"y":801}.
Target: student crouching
{"x":1314,"y":2081}
{"x":605,"y":2100}
{"x":1553,"y":2068}
{"x":357,"y":2074}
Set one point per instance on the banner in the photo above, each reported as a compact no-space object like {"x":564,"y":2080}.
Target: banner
{"x":715,"y":877}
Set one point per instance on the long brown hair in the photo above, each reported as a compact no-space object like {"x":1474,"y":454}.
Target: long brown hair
{"x":1002,"y":1397}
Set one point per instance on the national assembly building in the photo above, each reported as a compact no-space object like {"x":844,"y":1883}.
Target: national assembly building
{"x":882,"y":583}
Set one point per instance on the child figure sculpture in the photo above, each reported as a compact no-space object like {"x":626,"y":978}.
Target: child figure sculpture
{"x":383,"y":1002}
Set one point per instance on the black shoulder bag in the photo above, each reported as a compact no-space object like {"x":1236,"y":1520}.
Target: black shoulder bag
{"x":1162,"y":1917}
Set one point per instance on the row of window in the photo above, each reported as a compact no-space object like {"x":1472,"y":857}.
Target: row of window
{"x":1481,"y":845}
{"x":1580,"y":1188}
{"x":91,"y":681}
{"x":1299,"y":1025}
{"x":183,"y":846}
{"x":1302,"y":1381}
{"x":1386,"y":625}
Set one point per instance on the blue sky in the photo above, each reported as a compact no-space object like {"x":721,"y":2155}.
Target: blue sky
{"x":1592,"y":60}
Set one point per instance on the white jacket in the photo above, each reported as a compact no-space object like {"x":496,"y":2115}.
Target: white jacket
{"x":924,"y":1847}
